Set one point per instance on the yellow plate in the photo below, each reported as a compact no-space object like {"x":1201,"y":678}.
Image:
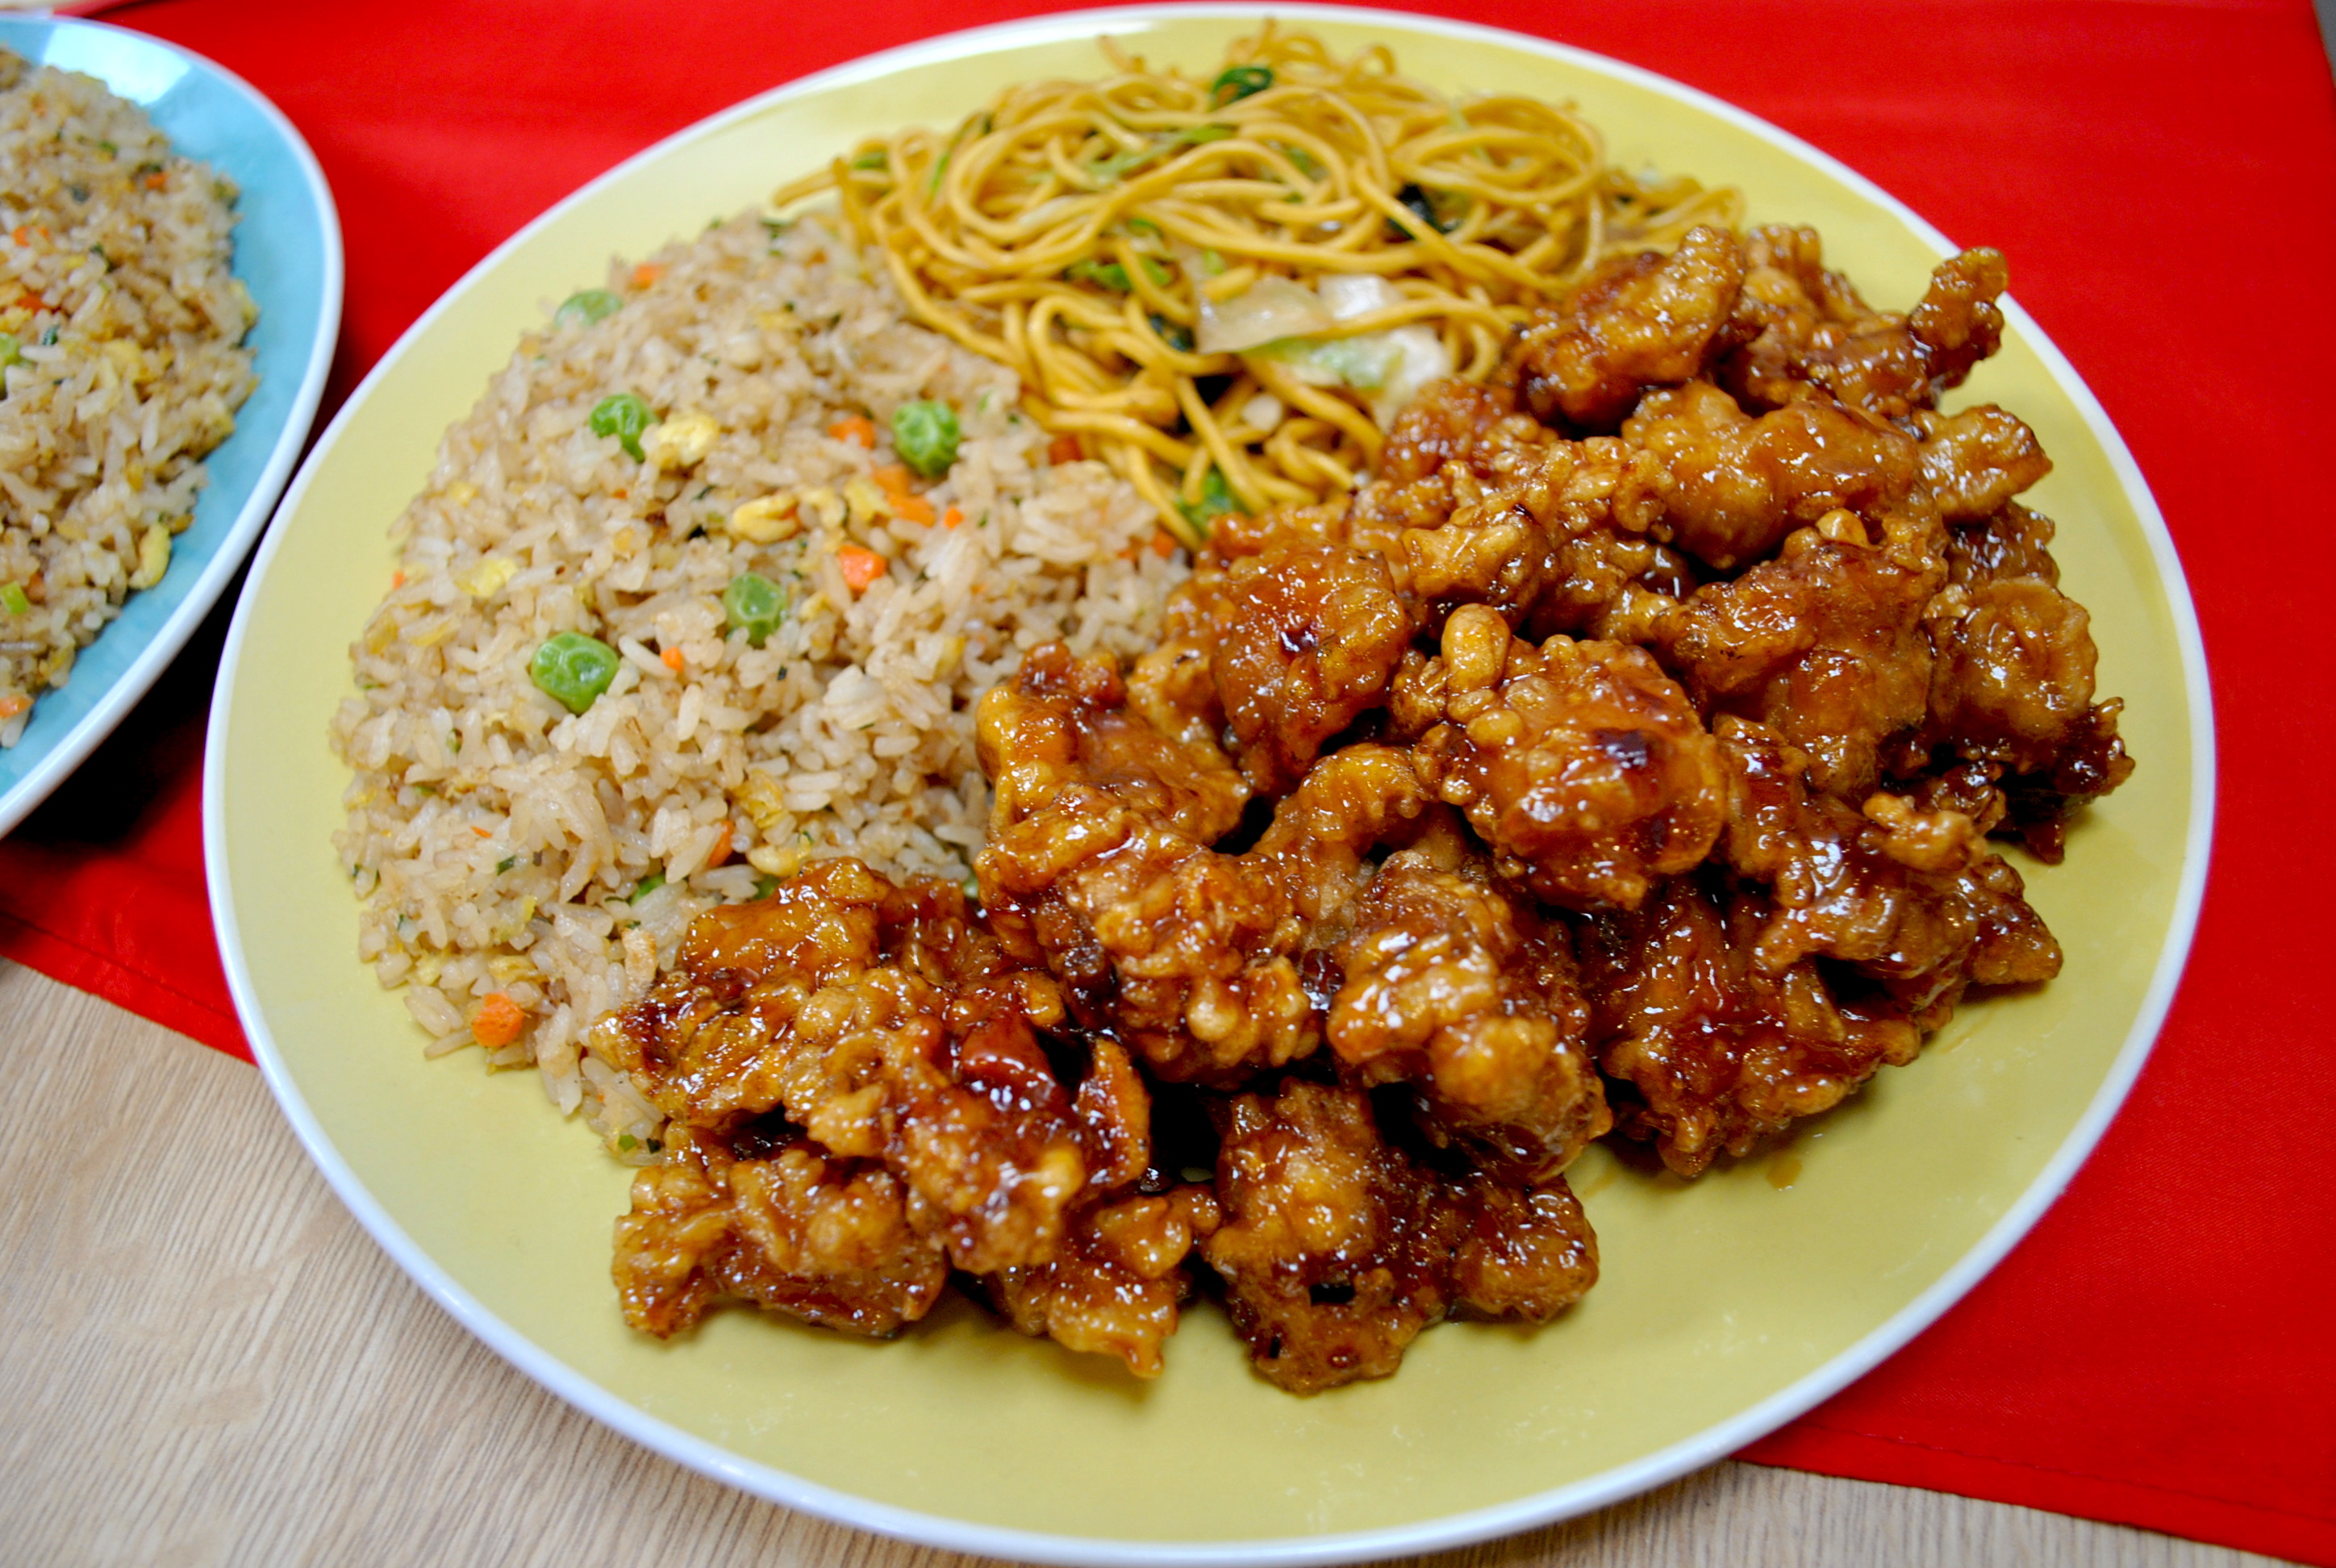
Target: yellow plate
{"x":1728,"y":1306}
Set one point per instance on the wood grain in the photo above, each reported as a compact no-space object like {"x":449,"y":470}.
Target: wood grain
{"x":206,"y":1361}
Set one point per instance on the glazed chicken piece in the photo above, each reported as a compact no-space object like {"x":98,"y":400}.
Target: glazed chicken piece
{"x":1581,"y":765}
{"x":1973,"y":463}
{"x":1710,"y":1051}
{"x":1825,"y":643}
{"x":1453,"y":988}
{"x":1476,"y":503}
{"x":1190,"y":955}
{"x":1642,"y":321}
{"x":828,"y":1002}
{"x":1709,"y":1002}
{"x":1099,"y":868}
{"x":2011,"y":683}
{"x":1302,"y":641}
{"x":2010,"y":542}
{"x":2011,"y":678}
{"x":1902,"y":889}
{"x":822,"y":1239}
{"x":1114,"y":1286}
{"x":1359,"y":799}
{"x":1569,"y":542}
{"x":1337,"y":1249}
{"x":859,"y":1100}
{"x":1735,"y":485}
{"x":1804,"y":327}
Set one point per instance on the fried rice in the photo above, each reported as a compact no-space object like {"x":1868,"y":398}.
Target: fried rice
{"x":121,"y":331}
{"x":523,"y":869}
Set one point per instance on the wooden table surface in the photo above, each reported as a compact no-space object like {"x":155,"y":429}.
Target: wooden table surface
{"x":206,"y":1361}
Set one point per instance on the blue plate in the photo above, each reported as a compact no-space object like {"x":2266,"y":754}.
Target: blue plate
{"x":287,"y":251}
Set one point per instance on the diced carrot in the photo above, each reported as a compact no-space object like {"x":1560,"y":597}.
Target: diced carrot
{"x":952,"y":518}
{"x":480,"y":831}
{"x":721,"y":850}
{"x":398,"y":579}
{"x":913,"y":508}
{"x":1064,"y":449}
{"x":860,"y":566}
{"x":498,"y":1022}
{"x":893,"y":478}
{"x":673,"y":659}
{"x":23,"y":232}
{"x":1163,"y":545}
{"x":11,"y":705}
{"x":646,"y":273}
{"x":157,"y":180}
{"x":858,"y":428}
{"x":624,"y":495}
{"x":31,"y":302}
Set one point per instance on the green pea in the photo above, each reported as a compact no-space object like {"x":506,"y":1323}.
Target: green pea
{"x":624,"y":416}
{"x":585,"y":307}
{"x":11,"y":351}
{"x":926,"y":435}
{"x":754,"y":605}
{"x":13,"y":596}
{"x":573,"y":669}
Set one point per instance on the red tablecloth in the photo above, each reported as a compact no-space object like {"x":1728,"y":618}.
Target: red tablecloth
{"x":2162,"y":174}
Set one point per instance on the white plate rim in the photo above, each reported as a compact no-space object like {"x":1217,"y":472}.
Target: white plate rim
{"x":70,"y":750}
{"x":1713,"y":1443}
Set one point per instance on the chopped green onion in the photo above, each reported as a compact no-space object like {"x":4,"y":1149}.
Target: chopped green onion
{"x":926,"y":435}
{"x":49,"y":335}
{"x":573,"y":669}
{"x":1108,"y":274}
{"x":1216,"y":501}
{"x":1212,"y":263}
{"x":1303,"y":158}
{"x":585,"y":307}
{"x":624,"y":416}
{"x":1144,"y":226}
{"x":11,"y":351}
{"x":874,"y":158}
{"x":766,"y":885}
{"x":646,"y":886}
{"x":505,"y":864}
{"x":627,"y":1142}
{"x":13,"y":596}
{"x":1236,"y":83}
{"x":1421,"y":206}
{"x":1114,"y":168}
{"x":1173,"y":336}
{"x":754,"y":605}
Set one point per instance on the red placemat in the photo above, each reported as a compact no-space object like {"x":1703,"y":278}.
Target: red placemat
{"x":2163,"y":176}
